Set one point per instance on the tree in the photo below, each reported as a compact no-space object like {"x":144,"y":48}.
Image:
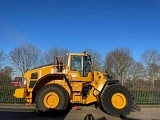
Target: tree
{"x":6,"y":73}
{"x":2,"y":58}
{"x":136,"y":72}
{"x":151,"y":60}
{"x":25,"y":57}
{"x":118,"y":62}
{"x":49,"y":55}
{"x":96,"y":59}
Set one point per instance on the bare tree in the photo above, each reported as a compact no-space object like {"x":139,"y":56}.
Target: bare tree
{"x":136,"y":72}
{"x":2,"y":58}
{"x":96,"y":59}
{"x":118,"y":62}
{"x":25,"y":57}
{"x":49,"y":55}
{"x":151,"y":59}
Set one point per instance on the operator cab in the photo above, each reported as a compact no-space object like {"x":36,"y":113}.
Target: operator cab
{"x":80,"y":63}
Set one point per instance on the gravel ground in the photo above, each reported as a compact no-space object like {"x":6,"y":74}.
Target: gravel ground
{"x":21,"y":112}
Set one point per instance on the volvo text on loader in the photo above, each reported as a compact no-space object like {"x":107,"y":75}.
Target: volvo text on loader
{"x":55,"y":87}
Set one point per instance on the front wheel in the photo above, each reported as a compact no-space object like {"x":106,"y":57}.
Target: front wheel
{"x":117,"y":100}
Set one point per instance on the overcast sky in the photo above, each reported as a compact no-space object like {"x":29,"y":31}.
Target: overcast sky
{"x":101,"y":25}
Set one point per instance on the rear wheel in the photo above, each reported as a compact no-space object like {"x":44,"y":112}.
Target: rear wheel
{"x":117,"y":100}
{"x":51,"y":97}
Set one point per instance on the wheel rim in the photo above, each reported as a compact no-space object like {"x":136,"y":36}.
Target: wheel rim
{"x":118,"y":100}
{"x":51,"y":100}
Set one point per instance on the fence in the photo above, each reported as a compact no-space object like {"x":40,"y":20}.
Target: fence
{"x":6,"y":92}
{"x":143,"y":91}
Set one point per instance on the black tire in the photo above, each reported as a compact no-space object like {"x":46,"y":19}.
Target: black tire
{"x":111,"y":104}
{"x":59,"y":91}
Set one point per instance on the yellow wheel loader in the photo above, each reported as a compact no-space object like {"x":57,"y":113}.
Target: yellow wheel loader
{"x":56,"y":86}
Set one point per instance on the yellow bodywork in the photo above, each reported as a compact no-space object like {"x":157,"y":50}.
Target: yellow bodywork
{"x":53,"y":87}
